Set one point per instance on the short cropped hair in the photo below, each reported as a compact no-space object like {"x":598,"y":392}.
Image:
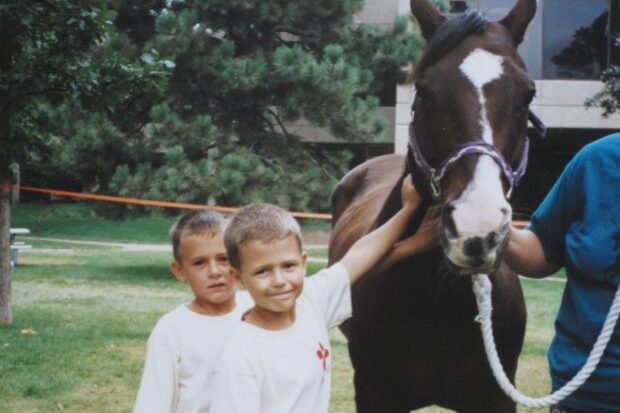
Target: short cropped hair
{"x":202,"y":221}
{"x":262,"y":222}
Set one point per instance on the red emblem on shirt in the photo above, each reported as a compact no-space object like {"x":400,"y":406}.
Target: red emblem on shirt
{"x":323,"y":353}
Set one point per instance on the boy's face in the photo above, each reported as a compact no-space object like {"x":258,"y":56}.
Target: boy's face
{"x":273,"y":273}
{"x":204,"y":265}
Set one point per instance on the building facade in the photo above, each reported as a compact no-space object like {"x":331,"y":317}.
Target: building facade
{"x":567,"y":46}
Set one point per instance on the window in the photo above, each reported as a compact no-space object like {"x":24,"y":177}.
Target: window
{"x":575,"y":41}
{"x":568,"y":39}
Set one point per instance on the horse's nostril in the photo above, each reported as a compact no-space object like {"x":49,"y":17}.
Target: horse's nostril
{"x":448,"y":220}
{"x":506,"y":212}
{"x":473,"y":247}
{"x":492,"y":239}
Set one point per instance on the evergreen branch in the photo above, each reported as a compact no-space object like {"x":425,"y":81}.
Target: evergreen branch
{"x":280,"y":123}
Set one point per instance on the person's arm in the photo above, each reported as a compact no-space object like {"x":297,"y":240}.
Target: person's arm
{"x":524,"y":253}
{"x":158,"y":388}
{"x":424,"y":239}
{"x":368,"y":250}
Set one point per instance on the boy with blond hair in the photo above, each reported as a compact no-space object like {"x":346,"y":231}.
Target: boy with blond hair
{"x":278,"y":360}
{"x":182,"y":347}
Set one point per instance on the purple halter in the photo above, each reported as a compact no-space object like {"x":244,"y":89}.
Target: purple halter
{"x":435,"y":175}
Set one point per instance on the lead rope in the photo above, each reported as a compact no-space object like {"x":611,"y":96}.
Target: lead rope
{"x":482,"y":290}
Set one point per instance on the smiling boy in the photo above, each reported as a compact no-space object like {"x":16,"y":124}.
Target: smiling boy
{"x":182,"y":347}
{"x":279,"y":359}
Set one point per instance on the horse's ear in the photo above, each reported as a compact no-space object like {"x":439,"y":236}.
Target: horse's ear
{"x":428,"y":16}
{"x":519,"y":18}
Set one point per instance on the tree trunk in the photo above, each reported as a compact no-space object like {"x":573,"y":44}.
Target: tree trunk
{"x":6,"y":312}
{"x":6,"y":149}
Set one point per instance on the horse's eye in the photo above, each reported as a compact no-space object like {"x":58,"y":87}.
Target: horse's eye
{"x":421,"y":96}
{"x":530,"y":97}
{"x":420,"y":92}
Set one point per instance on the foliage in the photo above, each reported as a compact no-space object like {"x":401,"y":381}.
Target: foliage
{"x":195,"y":101}
{"x":44,"y":56}
{"x":609,"y":97}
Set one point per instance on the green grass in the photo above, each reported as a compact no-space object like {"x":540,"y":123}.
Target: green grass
{"x":78,"y":221}
{"x":92,"y":313}
{"x":92,"y":309}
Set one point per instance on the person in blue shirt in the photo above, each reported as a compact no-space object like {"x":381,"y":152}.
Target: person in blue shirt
{"x":577,"y":226}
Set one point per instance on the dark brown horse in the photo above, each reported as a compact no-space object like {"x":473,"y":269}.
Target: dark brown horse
{"x":413,"y":340}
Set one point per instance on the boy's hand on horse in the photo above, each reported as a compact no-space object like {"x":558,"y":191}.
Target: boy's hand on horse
{"x":409,"y":195}
{"x":425,"y":238}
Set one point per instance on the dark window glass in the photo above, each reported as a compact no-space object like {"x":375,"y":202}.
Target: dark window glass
{"x":568,"y":39}
{"x":575,"y":38}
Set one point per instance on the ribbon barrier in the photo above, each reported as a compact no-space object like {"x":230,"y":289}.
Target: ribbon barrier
{"x":177,"y":205}
{"x":148,"y":202}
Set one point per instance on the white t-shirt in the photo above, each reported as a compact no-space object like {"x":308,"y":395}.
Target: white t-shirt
{"x":285,"y":371}
{"x":181,"y":352}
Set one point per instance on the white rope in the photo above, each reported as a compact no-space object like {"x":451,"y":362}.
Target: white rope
{"x":482,"y":291}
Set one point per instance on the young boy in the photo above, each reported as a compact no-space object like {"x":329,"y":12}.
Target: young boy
{"x":279,"y":359}
{"x":183,"y":345}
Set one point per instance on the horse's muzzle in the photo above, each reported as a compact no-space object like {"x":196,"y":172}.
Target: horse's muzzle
{"x":475,"y":254}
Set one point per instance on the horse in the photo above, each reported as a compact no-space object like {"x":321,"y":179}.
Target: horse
{"x":413,"y":339}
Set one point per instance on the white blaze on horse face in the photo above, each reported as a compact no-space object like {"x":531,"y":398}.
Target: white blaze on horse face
{"x":482,"y":208}
{"x":481,"y":67}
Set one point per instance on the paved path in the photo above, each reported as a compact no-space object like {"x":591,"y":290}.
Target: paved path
{"x":167,"y":248}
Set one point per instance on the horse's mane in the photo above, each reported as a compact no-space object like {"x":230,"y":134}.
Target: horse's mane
{"x":449,"y":35}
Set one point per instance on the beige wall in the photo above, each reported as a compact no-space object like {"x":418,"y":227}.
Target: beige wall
{"x":560,"y":104}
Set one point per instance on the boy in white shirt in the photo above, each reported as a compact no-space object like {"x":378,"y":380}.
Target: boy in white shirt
{"x":182,"y":347}
{"x":279,"y":359}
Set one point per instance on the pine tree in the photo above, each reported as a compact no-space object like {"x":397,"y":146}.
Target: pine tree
{"x":204,"y":118}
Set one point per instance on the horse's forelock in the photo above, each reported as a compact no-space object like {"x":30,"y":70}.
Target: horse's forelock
{"x":449,"y":35}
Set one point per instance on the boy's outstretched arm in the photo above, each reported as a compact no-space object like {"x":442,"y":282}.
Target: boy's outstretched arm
{"x":368,"y":250}
{"x":425,"y":238}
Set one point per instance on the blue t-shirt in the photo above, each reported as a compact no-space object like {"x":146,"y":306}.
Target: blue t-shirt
{"x":578,"y":225}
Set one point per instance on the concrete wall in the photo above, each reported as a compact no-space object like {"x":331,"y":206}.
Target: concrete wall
{"x":560,"y":104}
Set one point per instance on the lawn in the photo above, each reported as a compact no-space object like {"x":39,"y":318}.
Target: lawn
{"x":83,"y":314}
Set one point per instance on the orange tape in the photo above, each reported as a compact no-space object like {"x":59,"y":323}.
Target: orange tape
{"x":148,"y":202}
{"x":520,"y":223}
{"x":179,"y":205}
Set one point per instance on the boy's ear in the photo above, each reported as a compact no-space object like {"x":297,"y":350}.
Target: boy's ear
{"x":237,"y":276}
{"x":304,"y":260}
{"x":177,"y":269}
